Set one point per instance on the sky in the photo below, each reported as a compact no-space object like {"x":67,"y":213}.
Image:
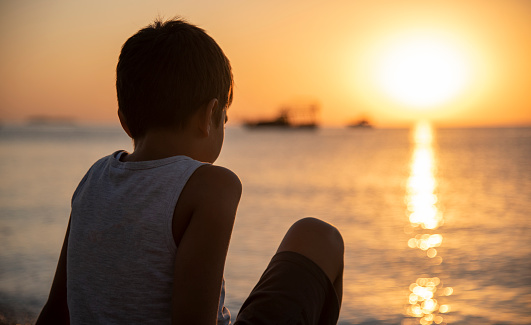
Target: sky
{"x":456,"y":63}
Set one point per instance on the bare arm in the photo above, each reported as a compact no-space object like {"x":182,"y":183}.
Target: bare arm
{"x":55,"y":311}
{"x":211,"y":197}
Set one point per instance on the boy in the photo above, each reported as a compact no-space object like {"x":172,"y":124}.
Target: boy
{"x":149,"y":230}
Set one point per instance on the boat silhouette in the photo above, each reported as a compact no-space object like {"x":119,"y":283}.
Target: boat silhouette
{"x":362,"y":124}
{"x":290,"y":117}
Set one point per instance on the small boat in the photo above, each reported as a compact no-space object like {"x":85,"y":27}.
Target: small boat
{"x":43,"y":120}
{"x":289,"y":118}
{"x":281,"y":121}
{"x":363,"y":123}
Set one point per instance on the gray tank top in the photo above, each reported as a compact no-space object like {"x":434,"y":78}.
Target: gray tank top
{"x":121,"y":250}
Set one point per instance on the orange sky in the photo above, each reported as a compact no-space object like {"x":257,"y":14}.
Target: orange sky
{"x":58,"y":57}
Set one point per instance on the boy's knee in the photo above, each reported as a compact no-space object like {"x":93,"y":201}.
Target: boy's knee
{"x":319,"y":230}
{"x":320,"y":242}
{"x":317,"y":233}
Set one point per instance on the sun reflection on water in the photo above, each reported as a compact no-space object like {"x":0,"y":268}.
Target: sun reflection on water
{"x":425,"y":218}
{"x":421,"y":199}
{"x":423,"y":303}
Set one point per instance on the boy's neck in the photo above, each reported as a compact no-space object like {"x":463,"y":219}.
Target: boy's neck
{"x":163,"y":143}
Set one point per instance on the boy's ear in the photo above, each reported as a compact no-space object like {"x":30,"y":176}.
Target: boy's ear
{"x":123,"y":122}
{"x":205,"y":123}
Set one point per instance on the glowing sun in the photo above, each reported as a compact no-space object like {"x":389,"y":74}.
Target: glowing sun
{"x":422,"y":72}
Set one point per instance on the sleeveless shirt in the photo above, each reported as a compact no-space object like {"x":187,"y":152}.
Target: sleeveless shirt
{"x":121,"y":250}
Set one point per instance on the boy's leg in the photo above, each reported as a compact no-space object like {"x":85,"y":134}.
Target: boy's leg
{"x":320,"y":242}
{"x":303,"y":282}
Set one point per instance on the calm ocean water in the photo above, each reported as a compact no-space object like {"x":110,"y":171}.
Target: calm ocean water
{"x":436,"y":223}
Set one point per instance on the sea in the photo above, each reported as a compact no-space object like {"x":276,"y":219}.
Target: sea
{"x":436,"y":221}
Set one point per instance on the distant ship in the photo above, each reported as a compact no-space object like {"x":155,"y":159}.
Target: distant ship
{"x":290,"y":117}
{"x":50,"y":121}
{"x":362,"y":124}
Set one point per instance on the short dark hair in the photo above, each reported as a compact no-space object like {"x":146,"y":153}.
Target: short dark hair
{"x":166,"y":72}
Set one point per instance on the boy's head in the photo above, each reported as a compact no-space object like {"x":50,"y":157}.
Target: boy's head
{"x":166,"y":72}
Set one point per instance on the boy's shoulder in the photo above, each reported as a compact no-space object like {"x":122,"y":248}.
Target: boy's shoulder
{"x":211,"y":196}
{"x":208,"y":178}
{"x":211,"y":186}
{"x":95,"y":168}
